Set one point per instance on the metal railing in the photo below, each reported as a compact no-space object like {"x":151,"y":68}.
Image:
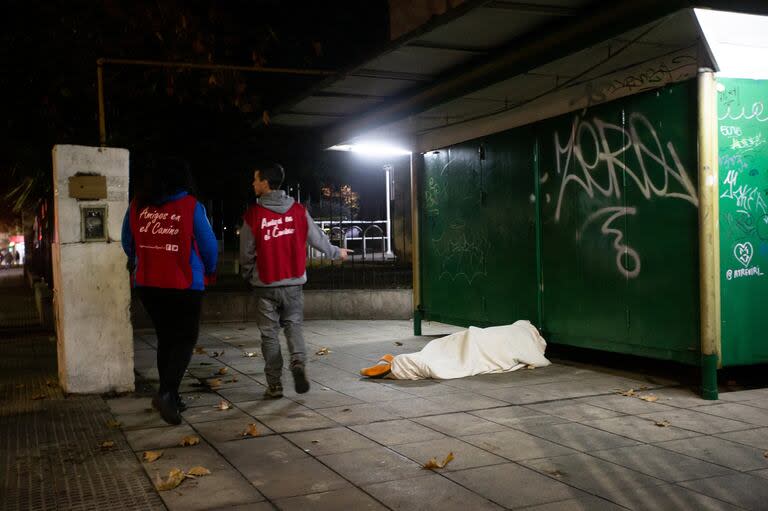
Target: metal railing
{"x":366,"y":238}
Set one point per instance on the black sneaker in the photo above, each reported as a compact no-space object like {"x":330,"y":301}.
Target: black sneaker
{"x":274,"y":391}
{"x":300,"y":378}
{"x":169,"y":409}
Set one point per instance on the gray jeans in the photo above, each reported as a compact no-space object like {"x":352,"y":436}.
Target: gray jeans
{"x":280,"y":307}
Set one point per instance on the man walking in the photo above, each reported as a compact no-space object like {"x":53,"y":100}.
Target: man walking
{"x":273,"y":252}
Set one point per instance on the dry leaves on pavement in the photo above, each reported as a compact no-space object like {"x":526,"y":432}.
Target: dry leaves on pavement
{"x":189,"y":440}
{"x":198,"y":472}
{"x":252,"y":430}
{"x":662,"y":423}
{"x":223,"y":405}
{"x":150,"y":456}
{"x":649,"y":398}
{"x":223,"y":370}
{"x":214,"y":383}
{"x":627,"y":393}
{"x":398,"y":343}
{"x":323,"y":351}
{"x":175,"y":477}
{"x":433,"y":463}
{"x":106,"y":445}
{"x":199,"y":350}
{"x":250,"y":354}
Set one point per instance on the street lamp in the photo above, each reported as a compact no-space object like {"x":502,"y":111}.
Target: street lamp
{"x":379,"y":149}
{"x":389,"y":255}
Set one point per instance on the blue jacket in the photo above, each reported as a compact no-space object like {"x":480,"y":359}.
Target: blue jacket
{"x":206,"y":243}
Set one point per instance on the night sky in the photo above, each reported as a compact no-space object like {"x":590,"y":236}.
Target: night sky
{"x":211,"y":119}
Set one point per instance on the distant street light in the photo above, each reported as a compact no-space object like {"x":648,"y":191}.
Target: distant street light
{"x":389,"y":254}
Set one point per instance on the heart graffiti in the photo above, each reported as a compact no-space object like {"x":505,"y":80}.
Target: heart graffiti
{"x":743,"y":252}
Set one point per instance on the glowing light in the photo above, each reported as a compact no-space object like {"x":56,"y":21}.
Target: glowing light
{"x":371,"y":149}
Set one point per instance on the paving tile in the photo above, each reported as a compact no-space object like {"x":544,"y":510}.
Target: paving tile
{"x":412,"y":407}
{"x":668,"y":497}
{"x":745,"y":490}
{"x":740,"y":412}
{"x":744,"y":395}
{"x":357,"y":414}
{"x":516,"y":445}
{"x":755,"y":437}
{"x":259,"y":451}
{"x":271,"y":407}
{"x":318,"y":398}
{"x":224,"y":487}
{"x":252,"y":506}
{"x":460,"y":424}
{"x":213,"y":413}
{"x":395,"y":432}
{"x":228,"y":430}
{"x":431,"y":492}
{"x":129,"y":405}
{"x":588,"y":503}
{"x":157,"y":438}
{"x":759,"y":403}
{"x":464,"y":401}
{"x":761,"y":473}
{"x":511,"y":415}
{"x":574,"y":411}
{"x":679,"y":397}
{"x":371,"y":392}
{"x":378,"y":464}
{"x":300,"y":420}
{"x":622,"y":404}
{"x":694,"y":420}
{"x":148,"y":418}
{"x":292,"y":477}
{"x":640,"y":428}
{"x":423,"y":388}
{"x":577,"y":436}
{"x":513,"y":486}
{"x":252,"y":392}
{"x":465,"y":455}
{"x":330,"y":441}
{"x":657,"y":462}
{"x":591,"y":474}
{"x":346,"y":498}
{"x":720,"y":451}
{"x":195,"y":399}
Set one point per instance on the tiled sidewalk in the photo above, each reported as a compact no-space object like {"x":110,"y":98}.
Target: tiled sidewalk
{"x":553,"y":438}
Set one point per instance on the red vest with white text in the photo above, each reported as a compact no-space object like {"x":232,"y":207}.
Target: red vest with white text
{"x":163,"y":239}
{"x":281,"y":241}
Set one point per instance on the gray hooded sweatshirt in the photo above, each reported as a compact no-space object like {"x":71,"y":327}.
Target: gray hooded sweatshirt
{"x":279,"y":202}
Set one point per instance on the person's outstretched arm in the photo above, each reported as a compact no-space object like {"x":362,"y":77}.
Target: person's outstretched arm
{"x":319,"y":240}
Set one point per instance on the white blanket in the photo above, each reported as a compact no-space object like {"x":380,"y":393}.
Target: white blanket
{"x":497,"y":349}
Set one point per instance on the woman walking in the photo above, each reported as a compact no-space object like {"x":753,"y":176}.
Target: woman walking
{"x":172,"y":249}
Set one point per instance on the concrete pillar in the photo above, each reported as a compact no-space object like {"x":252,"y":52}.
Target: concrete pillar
{"x":91,"y":285}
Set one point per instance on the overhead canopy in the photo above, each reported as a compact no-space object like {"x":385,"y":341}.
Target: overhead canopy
{"x":486,"y":60}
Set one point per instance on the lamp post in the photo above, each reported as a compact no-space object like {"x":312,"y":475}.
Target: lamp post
{"x":389,"y":255}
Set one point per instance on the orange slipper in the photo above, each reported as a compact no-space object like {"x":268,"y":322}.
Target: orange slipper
{"x":380,"y":370}
{"x":387,"y":358}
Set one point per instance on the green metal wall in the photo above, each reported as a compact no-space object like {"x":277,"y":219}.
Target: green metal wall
{"x":585,"y":223}
{"x":743,"y":190}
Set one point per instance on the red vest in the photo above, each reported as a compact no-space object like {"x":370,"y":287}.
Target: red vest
{"x":281,"y":242}
{"x":163,"y":239}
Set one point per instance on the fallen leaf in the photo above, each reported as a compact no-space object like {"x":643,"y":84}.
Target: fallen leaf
{"x":765,"y":454}
{"x":323,"y":351}
{"x":233,"y":380}
{"x":251,"y":431}
{"x":643,"y":387}
{"x":315,"y":441}
{"x":627,"y":393}
{"x":554,"y":473}
{"x":150,"y":456}
{"x":38,"y":397}
{"x":662,"y":423}
{"x":250,"y":354}
{"x":649,"y":398}
{"x":189,"y":440}
{"x":113,"y":424}
{"x":214,"y":382}
{"x":175,"y":477}
{"x":347,"y":410}
{"x":223,"y":370}
{"x":217,"y":354}
{"x":398,"y":343}
{"x":199,"y":350}
{"x":223,"y":405}
{"x":107,"y":444}
{"x":530,"y":367}
{"x":433,"y":463}
{"x":198,"y":472}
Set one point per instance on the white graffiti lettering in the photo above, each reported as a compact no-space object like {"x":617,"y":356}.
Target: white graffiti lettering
{"x":755,"y":113}
{"x":624,"y":253}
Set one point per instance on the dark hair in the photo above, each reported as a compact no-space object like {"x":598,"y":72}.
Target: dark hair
{"x":273,"y":173}
{"x":168,"y":176}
